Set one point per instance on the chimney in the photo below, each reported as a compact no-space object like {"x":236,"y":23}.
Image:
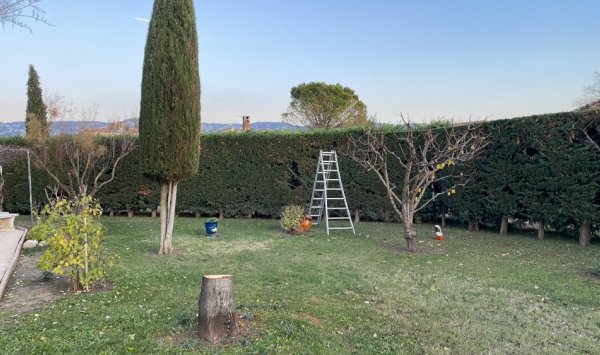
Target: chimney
{"x":245,"y":123}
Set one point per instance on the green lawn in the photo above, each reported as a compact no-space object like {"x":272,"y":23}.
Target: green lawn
{"x":484,"y":293}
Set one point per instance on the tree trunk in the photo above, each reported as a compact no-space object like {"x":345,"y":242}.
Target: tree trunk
{"x":153,"y":213}
{"x":504,"y":225}
{"x":216,"y":319}
{"x":410,"y":233}
{"x":111,"y":212}
{"x":541,"y":230}
{"x":221,"y":213}
{"x":129,"y":213}
{"x":585,"y":232}
{"x":164,"y":191}
{"x":172,"y":214}
{"x":356,"y":215}
{"x":197,"y":214}
{"x":473,"y":226}
{"x":444,"y":223}
{"x":168,"y":199}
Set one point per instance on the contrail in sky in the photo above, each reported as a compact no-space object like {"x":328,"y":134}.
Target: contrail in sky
{"x":141,"y":19}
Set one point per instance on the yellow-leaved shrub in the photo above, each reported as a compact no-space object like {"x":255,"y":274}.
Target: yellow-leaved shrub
{"x":74,"y":234}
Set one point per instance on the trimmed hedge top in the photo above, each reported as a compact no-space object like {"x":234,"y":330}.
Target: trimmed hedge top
{"x":536,"y":168}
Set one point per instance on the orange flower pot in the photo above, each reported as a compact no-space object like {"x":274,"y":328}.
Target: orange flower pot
{"x":306,"y":224}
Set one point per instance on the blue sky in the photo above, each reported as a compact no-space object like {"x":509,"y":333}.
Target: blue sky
{"x":426,"y":59}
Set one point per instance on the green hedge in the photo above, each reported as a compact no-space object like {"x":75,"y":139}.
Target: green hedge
{"x":536,"y":168}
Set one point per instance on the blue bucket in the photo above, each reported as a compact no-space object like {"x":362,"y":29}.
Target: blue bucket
{"x":211,"y":228}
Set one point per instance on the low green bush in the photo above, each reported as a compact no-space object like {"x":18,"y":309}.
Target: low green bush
{"x":290,"y":219}
{"x":74,"y":235}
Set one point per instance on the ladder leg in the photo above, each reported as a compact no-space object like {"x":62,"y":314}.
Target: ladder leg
{"x":328,"y":174}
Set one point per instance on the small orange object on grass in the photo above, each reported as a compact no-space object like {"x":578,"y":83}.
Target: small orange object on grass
{"x":438,"y":233}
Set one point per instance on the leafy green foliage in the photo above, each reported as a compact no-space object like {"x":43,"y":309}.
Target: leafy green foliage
{"x":74,"y":235}
{"x":170,"y":105}
{"x":321,"y":105}
{"x":535,"y":167}
{"x":14,"y":172}
{"x":440,"y":123}
{"x":290,"y":218}
{"x":538,"y":168}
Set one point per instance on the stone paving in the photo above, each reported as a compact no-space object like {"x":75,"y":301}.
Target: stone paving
{"x":10,"y":248}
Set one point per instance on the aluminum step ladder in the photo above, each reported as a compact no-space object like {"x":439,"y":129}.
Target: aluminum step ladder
{"x":328,"y":199}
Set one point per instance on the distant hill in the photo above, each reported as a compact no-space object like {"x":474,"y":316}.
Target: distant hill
{"x":11,"y":129}
{"x":256,"y":126}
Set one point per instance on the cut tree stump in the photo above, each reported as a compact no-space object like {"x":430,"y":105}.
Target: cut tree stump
{"x":216,"y":319}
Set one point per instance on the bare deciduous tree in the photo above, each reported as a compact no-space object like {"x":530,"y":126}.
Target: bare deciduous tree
{"x":14,"y":12}
{"x":591,"y":95}
{"x":420,"y":154}
{"x":82,"y":163}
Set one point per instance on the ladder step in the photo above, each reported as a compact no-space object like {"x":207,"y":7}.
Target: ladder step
{"x":328,"y":174}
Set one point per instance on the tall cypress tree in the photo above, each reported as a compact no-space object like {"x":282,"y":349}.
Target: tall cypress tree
{"x":170,"y":105}
{"x":36,"y":121}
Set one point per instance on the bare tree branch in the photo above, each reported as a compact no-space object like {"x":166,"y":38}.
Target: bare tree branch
{"x":422,"y":155}
{"x":591,"y":95}
{"x":127,"y":146}
{"x":13,"y":11}
{"x":596,"y":126}
{"x":80,"y":163}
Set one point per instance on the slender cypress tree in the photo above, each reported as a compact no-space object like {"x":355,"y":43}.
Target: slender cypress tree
{"x":36,"y":121}
{"x":170,"y":105}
